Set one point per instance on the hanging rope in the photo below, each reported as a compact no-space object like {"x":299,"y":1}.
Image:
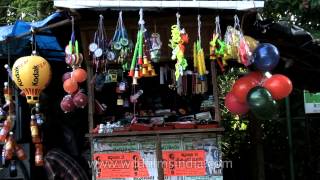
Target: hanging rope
{"x":178,"y":20}
{"x":199,"y":29}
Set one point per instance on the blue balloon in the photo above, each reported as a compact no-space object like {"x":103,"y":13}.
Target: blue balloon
{"x":266,"y":57}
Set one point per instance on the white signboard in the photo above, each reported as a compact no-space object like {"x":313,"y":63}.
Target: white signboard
{"x":311,"y":102}
{"x":210,"y":4}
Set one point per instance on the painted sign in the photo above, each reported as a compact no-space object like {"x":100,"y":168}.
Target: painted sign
{"x":120,"y":165}
{"x":184,"y":163}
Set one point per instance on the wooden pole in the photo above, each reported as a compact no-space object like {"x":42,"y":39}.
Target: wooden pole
{"x":90,"y":89}
{"x":257,"y":158}
{"x":215,"y":92}
{"x":159,"y":158}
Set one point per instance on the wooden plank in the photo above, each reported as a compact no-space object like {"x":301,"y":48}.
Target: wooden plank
{"x":174,"y":131}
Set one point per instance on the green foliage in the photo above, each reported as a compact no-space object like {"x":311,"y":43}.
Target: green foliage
{"x":27,"y":10}
{"x":304,"y":13}
{"x":235,"y":126}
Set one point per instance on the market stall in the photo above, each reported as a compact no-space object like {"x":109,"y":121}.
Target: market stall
{"x":151,"y":117}
{"x":148,"y":77}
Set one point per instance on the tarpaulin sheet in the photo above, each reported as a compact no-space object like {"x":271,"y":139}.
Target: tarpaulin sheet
{"x":47,"y":45}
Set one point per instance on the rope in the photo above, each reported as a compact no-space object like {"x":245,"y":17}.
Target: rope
{"x":199,"y":29}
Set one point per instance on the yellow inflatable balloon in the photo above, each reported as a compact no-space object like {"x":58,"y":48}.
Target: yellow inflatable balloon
{"x":31,"y":74}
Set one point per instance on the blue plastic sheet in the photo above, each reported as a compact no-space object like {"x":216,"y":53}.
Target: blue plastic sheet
{"x":47,"y":45}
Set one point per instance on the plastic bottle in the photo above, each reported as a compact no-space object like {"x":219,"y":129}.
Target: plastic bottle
{"x":39,"y":155}
{"x":34,"y":130}
{"x":5,"y":130}
{"x":13,"y":169}
{"x":9,"y":147}
{"x":20,"y":152}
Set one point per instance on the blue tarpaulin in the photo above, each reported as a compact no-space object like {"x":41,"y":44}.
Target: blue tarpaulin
{"x":47,"y":45}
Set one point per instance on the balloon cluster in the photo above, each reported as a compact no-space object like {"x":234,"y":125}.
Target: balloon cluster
{"x":259,"y":91}
{"x":75,"y":97}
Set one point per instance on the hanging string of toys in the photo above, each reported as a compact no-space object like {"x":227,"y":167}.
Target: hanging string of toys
{"x":99,"y":48}
{"x":121,"y":46}
{"x":199,"y":60}
{"x":141,"y":64}
{"x":179,"y":38}
{"x":155,"y":51}
{"x":71,"y":80}
{"x":218,"y":46}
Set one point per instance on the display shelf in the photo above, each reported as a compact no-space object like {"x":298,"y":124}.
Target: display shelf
{"x":155,"y":132}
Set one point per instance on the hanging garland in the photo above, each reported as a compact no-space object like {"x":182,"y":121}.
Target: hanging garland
{"x":179,"y":38}
{"x":218,"y":46}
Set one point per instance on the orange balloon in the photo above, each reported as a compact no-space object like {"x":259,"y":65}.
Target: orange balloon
{"x":70,"y":86}
{"x":79,"y":75}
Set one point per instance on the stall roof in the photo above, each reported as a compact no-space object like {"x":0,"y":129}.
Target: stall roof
{"x":210,"y":4}
{"x":47,"y":43}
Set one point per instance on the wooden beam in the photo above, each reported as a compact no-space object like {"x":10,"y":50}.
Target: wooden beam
{"x":153,"y":132}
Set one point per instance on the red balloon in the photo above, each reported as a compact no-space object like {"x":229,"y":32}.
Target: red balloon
{"x":256,"y":76}
{"x":234,"y":106}
{"x":80,"y":100}
{"x":241,"y":88}
{"x":67,"y":104}
{"x":79,"y":75}
{"x":279,"y":86}
{"x":66,"y":76}
{"x":70,"y":86}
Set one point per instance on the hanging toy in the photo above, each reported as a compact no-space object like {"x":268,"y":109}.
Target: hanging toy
{"x":67,"y":104}
{"x":121,"y":45}
{"x":79,"y":75}
{"x":71,"y":80}
{"x":80,"y":100}
{"x":141,"y":64}
{"x":179,"y":38}
{"x":217,"y":45}
{"x":31,"y":74}
{"x":244,"y":53}
{"x":156,"y":44}
{"x":237,"y":46}
{"x":73,"y":57}
{"x":99,"y":48}
{"x":199,"y":59}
